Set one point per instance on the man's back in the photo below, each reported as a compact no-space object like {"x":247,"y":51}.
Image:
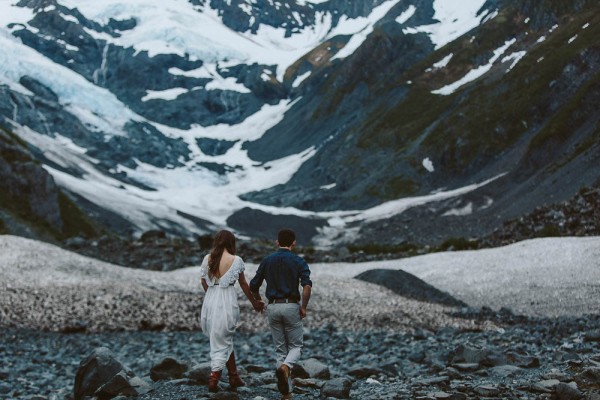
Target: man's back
{"x":283,"y":271}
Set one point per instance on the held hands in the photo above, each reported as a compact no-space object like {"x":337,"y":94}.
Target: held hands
{"x":302,"y":312}
{"x":259,"y":306}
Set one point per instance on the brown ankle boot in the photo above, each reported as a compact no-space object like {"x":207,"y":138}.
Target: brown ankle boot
{"x":234,"y":377}
{"x":213,"y":381}
{"x":283,"y":379}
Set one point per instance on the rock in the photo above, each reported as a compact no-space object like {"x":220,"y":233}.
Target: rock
{"x":466,"y":367}
{"x":200,"y":373}
{"x":466,"y":353}
{"x":567,"y":391}
{"x":417,"y":356}
{"x":225,"y":396}
{"x":311,"y":368}
{"x":251,"y":368}
{"x":523,"y":360}
{"x":505,"y":371}
{"x":592,"y":336}
{"x":408,"y":285}
{"x":432,"y":381}
{"x":365,"y":372}
{"x":5,"y":388}
{"x":168,"y":369}
{"x":590,"y":374}
{"x":338,"y":388}
{"x":75,"y":242}
{"x":309,"y":383}
{"x":122,"y":384}
{"x":487,"y":390}
{"x":97,"y":370}
{"x":153,"y":235}
{"x":545,"y":386}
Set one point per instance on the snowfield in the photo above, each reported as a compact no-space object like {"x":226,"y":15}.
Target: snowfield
{"x":45,"y":287}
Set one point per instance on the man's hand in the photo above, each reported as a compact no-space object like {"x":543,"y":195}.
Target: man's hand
{"x":302,"y":312}
{"x":259,"y":306}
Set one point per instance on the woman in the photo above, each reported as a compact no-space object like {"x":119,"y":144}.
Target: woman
{"x":220,"y":311}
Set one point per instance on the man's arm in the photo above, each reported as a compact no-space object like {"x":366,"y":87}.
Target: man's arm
{"x":306,"y":290}
{"x":257,"y":281}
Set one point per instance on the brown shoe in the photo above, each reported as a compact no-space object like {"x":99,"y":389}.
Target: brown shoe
{"x":213,"y":381}
{"x":234,"y":378}
{"x":283,"y":379}
{"x":286,"y":396}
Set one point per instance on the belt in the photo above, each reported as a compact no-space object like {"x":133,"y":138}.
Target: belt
{"x":288,"y":300}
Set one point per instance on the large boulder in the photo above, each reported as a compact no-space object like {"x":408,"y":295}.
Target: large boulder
{"x":101,"y":374}
{"x":338,"y":388}
{"x":409,"y":286}
{"x":311,"y":368}
{"x":168,"y":369}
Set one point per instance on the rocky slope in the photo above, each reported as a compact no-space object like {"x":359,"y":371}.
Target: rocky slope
{"x":307,"y":107}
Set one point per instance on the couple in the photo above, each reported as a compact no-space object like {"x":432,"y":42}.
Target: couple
{"x":283,"y":272}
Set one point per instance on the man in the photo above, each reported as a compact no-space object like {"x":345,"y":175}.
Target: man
{"x":283,"y":271}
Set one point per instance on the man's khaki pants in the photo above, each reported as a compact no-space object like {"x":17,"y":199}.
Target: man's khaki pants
{"x":286,"y":329}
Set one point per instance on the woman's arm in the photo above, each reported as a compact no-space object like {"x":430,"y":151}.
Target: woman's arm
{"x":204,"y":284}
{"x":258,"y":304}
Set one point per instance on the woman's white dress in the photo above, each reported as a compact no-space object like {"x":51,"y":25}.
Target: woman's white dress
{"x":220,"y":313}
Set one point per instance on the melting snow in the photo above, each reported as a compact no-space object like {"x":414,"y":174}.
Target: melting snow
{"x":572,"y":39}
{"x":300,"y":78}
{"x":459,"y":212}
{"x":428,"y":165}
{"x":169,"y":94}
{"x":364,"y":26}
{"x":455,"y":20}
{"x":406,"y":15}
{"x":327,"y":187}
{"x":585,"y":26}
{"x":474,"y":73}
{"x":443,"y":62}
{"x":515,"y":57}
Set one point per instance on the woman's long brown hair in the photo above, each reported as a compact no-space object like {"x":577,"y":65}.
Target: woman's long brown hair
{"x":223,"y":240}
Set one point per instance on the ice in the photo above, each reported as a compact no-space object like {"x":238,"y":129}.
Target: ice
{"x":169,"y":94}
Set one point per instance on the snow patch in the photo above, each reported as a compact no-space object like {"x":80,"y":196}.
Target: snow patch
{"x":443,"y":62}
{"x":300,"y":78}
{"x":169,"y":94}
{"x":474,"y":73}
{"x":455,"y":20}
{"x":406,"y":15}
{"x":571,"y":40}
{"x":515,"y":57}
{"x":428,"y":164}
{"x":327,"y":187}
{"x":365,"y":27}
{"x":460,"y":212}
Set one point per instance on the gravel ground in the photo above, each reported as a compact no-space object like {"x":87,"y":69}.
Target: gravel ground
{"x":45,"y":287}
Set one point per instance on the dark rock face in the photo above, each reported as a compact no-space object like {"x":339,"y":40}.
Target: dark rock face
{"x":26,"y":184}
{"x":268,"y":225}
{"x":408,"y":285}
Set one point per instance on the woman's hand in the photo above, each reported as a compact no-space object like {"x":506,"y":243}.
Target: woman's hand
{"x":259,"y":305}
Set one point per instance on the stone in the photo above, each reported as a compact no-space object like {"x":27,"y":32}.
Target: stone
{"x":545,"y":386}
{"x":487,"y":390}
{"x":199,"y":373}
{"x":309,"y":383}
{"x":338,"y":388}
{"x":466,"y":353}
{"x":567,"y":391}
{"x":432,"y":381}
{"x":466,"y":367}
{"x":168,"y":369}
{"x":122,"y":384}
{"x":251,"y":368}
{"x":365,"y":372}
{"x":417,"y":357}
{"x":311,"y":368}
{"x":225,"y":396}
{"x":523,"y":360}
{"x":592,"y":336}
{"x":590,"y":374}
{"x":505,"y":371}
{"x":94,"y":371}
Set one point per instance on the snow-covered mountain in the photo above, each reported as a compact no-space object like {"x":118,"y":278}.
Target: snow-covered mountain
{"x":327,"y":116}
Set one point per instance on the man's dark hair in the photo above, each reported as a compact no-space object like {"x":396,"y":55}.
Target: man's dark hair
{"x":286,"y":237}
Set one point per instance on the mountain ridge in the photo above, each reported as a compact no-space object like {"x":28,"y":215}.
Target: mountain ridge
{"x":396,"y":99}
